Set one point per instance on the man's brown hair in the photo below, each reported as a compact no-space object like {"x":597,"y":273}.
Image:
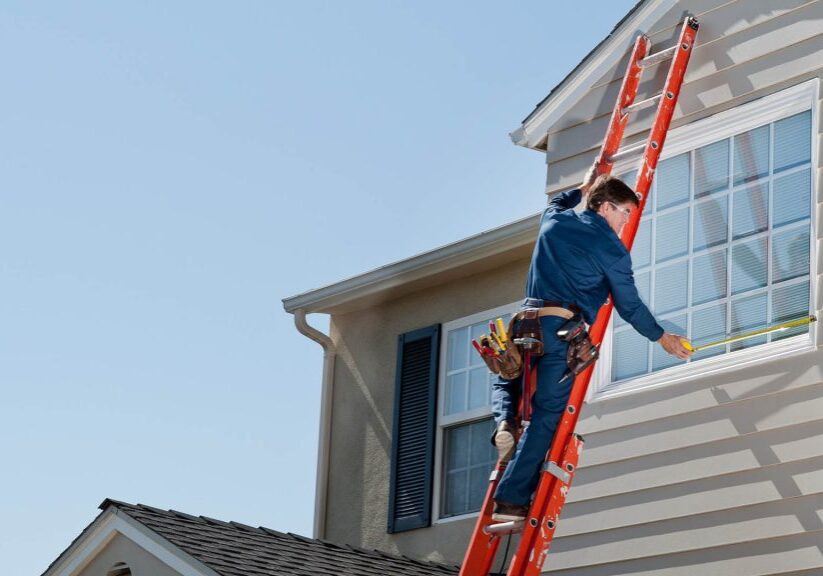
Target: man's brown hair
{"x":608,"y":188}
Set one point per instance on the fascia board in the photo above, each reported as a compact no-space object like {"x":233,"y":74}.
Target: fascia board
{"x":492,"y":242}
{"x":106,"y":527}
{"x":534,"y":128}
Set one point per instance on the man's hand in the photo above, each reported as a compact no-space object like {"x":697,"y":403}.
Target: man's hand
{"x":589,"y":178}
{"x":672,"y":344}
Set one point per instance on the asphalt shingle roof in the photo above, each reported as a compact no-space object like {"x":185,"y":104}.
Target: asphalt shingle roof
{"x":234,"y":549}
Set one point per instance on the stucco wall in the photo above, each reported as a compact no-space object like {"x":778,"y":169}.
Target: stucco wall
{"x":363,"y":404}
{"x":121,"y":549}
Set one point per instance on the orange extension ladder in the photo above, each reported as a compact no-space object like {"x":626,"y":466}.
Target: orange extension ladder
{"x":537,"y":531}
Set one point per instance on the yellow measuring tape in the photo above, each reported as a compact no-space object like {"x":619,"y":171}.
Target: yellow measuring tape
{"x":776,"y":328}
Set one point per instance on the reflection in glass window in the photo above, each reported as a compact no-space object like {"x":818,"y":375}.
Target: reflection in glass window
{"x":724,"y":244}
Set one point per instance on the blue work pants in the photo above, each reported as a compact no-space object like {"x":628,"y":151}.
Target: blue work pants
{"x":548,"y":403}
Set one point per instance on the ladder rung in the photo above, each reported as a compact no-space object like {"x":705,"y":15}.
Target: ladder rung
{"x":647,"y":103}
{"x":659,"y":57}
{"x":505,"y":527}
{"x":626,"y":152}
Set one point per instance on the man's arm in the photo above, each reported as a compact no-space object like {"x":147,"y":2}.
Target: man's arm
{"x":628,"y":302}
{"x":632,"y":310}
{"x":565,"y":200}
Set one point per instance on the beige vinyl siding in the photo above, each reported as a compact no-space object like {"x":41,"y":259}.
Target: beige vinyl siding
{"x":731,"y":65}
{"x":721,"y":474}
{"x":743,"y":468}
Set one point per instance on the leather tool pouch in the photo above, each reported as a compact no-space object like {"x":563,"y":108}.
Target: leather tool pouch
{"x":582,"y":353}
{"x":526,"y":332}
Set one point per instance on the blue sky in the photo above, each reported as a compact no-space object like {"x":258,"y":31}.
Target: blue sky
{"x":170,"y":171}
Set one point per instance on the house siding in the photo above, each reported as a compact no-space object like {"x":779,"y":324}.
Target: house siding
{"x":731,"y":65}
{"x":720,"y":473}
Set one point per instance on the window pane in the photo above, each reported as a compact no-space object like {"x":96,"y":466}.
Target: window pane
{"x":790,"y":303}
{"x":792,"y":141}
{"x":749,"y":313}
{"x":751,"y":155}
{"x":671,"y":287}
{"x":751,"y":210}
{"x":673,"y":181}
{"x":456,"y":501}
{"x":455,"y":393}
{"x":711,"y":221}
{"x":672,"y":235}
{"x":479,"y":390}
{"x":711,"y":168}
{"x":642,"y":247}
{"x":791,"y":197}
{"x":709,"y":325}
{"x":660,"y":358}
{"x":643,"y":283}
{"x":468,"y":459}
{"x":748,"y":265}
{"x":457,"y":447}
{"x":709,"y":277}
{"x":790,"y":254}
{"x":458,"y":350}
{"x":631,"y":354}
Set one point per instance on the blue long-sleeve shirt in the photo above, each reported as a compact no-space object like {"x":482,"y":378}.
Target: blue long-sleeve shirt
{"x":578,"y":259}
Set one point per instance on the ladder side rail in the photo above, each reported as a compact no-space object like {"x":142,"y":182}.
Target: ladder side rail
{"x":660,"y":127}
{"x":625,"y":98}
{"x":527,"y":561}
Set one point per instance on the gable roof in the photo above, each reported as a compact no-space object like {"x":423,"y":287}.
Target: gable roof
{"x":235,"y":549}
{"x":533,"y":130}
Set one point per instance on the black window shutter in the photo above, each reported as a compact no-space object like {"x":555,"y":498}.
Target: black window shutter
{"x":415,"y":397}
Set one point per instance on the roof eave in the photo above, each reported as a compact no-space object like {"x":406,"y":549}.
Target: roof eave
{"x":533,"y":130}
{"x":392,"y":280}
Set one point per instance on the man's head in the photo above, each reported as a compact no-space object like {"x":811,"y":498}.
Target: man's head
{"x":613,"y":200}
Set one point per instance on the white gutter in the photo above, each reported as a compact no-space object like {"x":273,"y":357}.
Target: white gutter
{"x":324,"y":439}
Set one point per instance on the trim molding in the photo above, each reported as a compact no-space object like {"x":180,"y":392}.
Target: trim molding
{"x":533,"y":130}
{"x":105,"y":528}
{"x":472,"y":249}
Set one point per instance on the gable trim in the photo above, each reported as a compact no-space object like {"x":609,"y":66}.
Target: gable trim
{"x":532,"y":132}
{"x":105,"y":528}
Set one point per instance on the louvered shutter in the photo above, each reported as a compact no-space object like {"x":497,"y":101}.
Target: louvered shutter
{"x":415,"y":396}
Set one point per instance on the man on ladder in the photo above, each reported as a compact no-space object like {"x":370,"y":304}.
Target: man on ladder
{"x":577,"y":261}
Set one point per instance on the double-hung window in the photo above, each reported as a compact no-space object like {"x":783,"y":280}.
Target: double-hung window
{"x":725,"y":243}
{"x":465,"y":456}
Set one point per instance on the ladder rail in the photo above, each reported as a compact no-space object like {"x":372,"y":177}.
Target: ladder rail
{"x":528,"y":560}
{"x":560,"y":464}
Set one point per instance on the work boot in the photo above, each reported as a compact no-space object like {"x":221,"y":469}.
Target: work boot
{"x":508,"y":512}
{"x":504,"y":440}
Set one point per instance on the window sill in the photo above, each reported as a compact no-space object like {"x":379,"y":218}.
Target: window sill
{"x":710,"y":366}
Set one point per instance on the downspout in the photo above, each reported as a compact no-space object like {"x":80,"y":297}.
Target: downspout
{"x":324,"y":439}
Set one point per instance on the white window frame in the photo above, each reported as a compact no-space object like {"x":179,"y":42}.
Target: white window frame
{"x":463,"y":417}
{"x":800,"y":98}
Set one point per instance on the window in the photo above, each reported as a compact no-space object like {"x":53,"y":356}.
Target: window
{"x":464,"y":457}
{"x":725,"y":242}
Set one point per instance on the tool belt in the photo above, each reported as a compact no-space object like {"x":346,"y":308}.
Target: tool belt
{"x":582,"y":353}
{"x":509,"y":362}
{"x":525,"y":332}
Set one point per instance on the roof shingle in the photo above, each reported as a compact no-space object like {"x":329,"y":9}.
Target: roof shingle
{"x":235,"y":549}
